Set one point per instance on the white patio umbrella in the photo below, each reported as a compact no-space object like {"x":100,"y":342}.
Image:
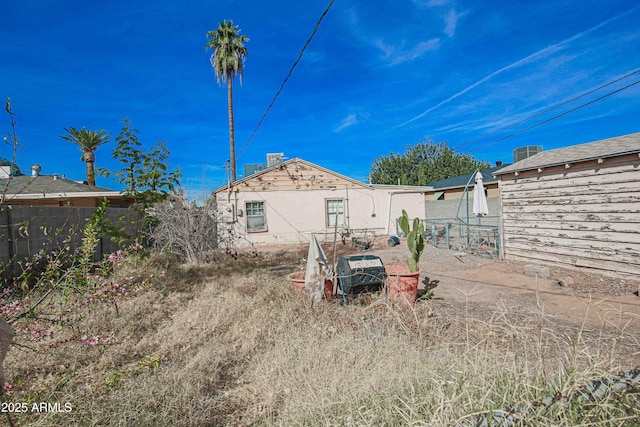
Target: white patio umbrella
{"x":317,"y":270}
{"x":480,"y":207}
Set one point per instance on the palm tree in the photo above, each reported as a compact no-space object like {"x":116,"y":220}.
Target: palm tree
{"x":227,"y":61}
{"x":88,"y":142}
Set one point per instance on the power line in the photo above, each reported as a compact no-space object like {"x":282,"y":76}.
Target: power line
{"x":264,"y":116}
{"x":557,"y":116}
{"x":548,"y":109}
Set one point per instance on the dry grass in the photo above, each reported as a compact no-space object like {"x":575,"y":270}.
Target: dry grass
{"x":228,"y":344}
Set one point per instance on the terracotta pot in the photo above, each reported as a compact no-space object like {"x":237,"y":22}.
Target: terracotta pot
{"x":297,"y":281}
{"x":328,"y":289}
{"x":402,"y":284}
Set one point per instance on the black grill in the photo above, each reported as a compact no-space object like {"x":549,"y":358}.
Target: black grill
{"x":360,"y":274}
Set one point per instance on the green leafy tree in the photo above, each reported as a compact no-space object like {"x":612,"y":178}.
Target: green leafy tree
{"x":88,"y":141}
{"x":422,"y":164}
{"x":145,"y":174}
{"x":227,"y":61}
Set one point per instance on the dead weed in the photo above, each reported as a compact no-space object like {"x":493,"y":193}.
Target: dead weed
{"x":229,"y":344}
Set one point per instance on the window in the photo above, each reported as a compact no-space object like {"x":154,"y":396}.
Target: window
{"x":256,"y":220}
{"x":334,"y":212}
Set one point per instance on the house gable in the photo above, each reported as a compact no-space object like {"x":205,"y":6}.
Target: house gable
{"x":294,"y":174}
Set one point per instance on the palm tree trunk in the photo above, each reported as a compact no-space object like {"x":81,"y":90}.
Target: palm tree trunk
{"x":232,"y":143}
{"x":91,"y":177}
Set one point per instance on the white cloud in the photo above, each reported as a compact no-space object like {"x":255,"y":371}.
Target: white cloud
{"x":399,"y":54}
{"x":540,"y":54}
{"x":451,"y":22}
{"x":348,"y":121}
{"x":451,"y":17}
{"x":393,"y":53}
{"x":423,"y":47}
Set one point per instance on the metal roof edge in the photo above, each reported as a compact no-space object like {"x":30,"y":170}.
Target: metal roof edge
{"x":461,"y":187}
{"x":412,"y":188}
{"x":70,"y":195}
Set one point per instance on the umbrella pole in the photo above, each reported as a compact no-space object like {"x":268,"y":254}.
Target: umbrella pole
{"x":335,"y":236}
{"x":466,"y":190}
{"x":468,"y":228}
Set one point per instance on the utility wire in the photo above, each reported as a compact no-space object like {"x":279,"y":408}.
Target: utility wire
{"x":264,"y":116}
{"x":555,"y":117}
{"x":548,"y":110}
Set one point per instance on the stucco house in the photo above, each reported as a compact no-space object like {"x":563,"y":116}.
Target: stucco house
{"x":576,"y":207}
{"x":53,"y":190}
{"x":287,"y":202}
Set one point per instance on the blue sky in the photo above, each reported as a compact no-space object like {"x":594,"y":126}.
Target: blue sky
{"x":377,"y":76}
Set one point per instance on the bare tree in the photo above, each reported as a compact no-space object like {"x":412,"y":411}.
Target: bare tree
{"x":12,"y":141}
{"x":189,"y":231}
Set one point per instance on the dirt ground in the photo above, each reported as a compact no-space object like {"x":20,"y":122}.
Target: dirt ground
{"x":463,"y":278}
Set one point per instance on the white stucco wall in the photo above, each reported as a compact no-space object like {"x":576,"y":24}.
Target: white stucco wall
{"x":292,"y":216}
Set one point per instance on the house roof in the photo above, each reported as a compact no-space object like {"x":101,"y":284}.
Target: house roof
{"x":51,"y":186}
{"x":612,"y":147}
{"x":461,"y":181}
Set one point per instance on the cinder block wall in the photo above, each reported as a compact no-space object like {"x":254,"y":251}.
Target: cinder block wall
{"x":24,"y":230}
{"x":446,"y":210}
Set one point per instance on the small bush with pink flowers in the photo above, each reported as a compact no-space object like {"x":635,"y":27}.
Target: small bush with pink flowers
{"x":45,"y":304}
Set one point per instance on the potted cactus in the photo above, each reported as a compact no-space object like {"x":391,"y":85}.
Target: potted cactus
{"x":402,"y":281}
